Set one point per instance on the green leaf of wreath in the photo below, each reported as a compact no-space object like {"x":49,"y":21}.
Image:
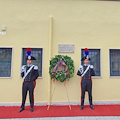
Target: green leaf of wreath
{"x":61,"y":75}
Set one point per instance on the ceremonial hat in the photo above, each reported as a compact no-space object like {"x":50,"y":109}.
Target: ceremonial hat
{"x":86,"y":52}
{"x":29,"y":57}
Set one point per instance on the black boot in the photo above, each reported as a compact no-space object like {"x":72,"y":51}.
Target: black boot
{"x":82,"y":103}
{"x":91,"y":106}
{"x":81,"y":108}
{"x":21,"y":110}
{"x":32,"y":109}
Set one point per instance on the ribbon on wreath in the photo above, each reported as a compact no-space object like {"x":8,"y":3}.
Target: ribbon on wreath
{"x":64,"y":66}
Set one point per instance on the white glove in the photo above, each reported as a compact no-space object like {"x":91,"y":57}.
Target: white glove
{"x":35,"y":67}
{"x":81,"y":69}
{"x":91,"y":66}
{"x":23,"y":68}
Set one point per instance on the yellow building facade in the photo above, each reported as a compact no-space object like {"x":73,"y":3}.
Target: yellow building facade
{"x":46,"y":24}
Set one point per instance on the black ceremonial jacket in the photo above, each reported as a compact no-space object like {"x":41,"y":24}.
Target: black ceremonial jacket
{"x":32,"y":75}
{"x":88,"y":74}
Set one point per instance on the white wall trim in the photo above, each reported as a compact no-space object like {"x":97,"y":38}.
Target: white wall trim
{"x":19,"y":104}
{"x":11,"y":64}
{"x":87,"y":103}
{"x":109,"y":62}
{"x":63,"y":103}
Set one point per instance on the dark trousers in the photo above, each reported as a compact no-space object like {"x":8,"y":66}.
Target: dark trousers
{"x":28,"y":86}
{"x":86,"y":85}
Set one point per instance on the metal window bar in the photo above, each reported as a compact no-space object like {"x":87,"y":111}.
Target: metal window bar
{"x":5,"y":62}
{"x":114,"y":62}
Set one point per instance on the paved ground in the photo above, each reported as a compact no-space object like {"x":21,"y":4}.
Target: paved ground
{"x":70,"y":118}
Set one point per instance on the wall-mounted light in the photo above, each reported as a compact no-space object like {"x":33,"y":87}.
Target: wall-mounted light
{"x":3,"y":28}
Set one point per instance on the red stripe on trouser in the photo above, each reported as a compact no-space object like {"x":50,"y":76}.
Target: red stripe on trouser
{"x":91,"y":79}
{"x":33,"y":90}
{"x":81,"y":89}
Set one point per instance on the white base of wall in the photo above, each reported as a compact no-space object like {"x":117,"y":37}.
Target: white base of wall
{"x":19,"y":104}
{"x":63,"y":103}
{"x":87,"y":103}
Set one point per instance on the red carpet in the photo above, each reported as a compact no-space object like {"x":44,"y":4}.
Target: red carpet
{"x":60,"y":111}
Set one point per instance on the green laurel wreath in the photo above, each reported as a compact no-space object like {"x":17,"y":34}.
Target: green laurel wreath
{"x":61,"y":75}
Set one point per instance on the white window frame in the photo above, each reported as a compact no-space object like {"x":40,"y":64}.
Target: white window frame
{"x":11,"y":62}
{"x":100,"y":61}
{"x":22,"y":59}
{"x":109,"y":62}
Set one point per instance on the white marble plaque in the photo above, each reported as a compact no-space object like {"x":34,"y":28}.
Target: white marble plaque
{"x":66,"y":48}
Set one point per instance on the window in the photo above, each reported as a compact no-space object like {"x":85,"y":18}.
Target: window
{"x":114,"y":62}
{"x":94,"y":54}
{"x":5,"y":62}
{"x":37,"y":53}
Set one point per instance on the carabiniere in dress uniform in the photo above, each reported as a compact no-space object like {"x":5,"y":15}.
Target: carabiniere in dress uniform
{"x":86,"y":71}
{"x":29,"y":74}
